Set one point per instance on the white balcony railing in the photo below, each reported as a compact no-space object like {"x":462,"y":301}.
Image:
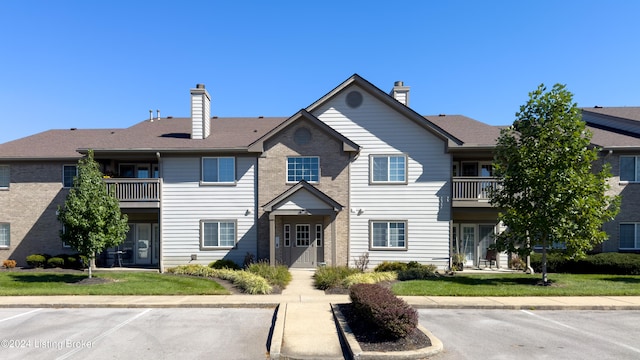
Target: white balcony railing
{"x":473,"y":188}
{"x":132,"y":190}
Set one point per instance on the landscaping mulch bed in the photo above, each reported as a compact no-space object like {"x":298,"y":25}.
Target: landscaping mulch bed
{"x":371,"y":340}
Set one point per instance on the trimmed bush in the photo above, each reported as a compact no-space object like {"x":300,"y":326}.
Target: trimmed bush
{"x":9,"y":264}
{"x":378,"y":306}
{"x":603,"y":263}
{"x":36,"y":260}
{"x":55,"y":262}
{"x":224,"y":264}
{"x":419,"y":272}
{"x":278,"y":275}
{"x":369,"y":278}
{"x":390,"y":266}
{"x":332,"y":276}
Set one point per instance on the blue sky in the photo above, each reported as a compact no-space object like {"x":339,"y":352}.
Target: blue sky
{"x":105,"y":64}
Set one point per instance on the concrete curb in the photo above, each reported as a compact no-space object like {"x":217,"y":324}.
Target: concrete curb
{"x":275,"y":347}
{"x":356,"y":351}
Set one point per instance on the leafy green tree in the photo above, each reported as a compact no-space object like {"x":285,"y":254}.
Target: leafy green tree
{"x":91,"y":215}
{"x":550,"y":192}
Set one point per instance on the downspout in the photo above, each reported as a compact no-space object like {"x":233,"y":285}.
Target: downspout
{"x":160,"y":180}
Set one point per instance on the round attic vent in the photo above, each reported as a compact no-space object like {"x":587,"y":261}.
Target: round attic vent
{"x":302,"y":136}
{"x":354,"y":99}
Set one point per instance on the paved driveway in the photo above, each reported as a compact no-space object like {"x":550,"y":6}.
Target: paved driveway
{"x":528,"y":334}
{"x":111,"y":333}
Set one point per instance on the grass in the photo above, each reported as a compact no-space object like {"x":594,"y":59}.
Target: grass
{"x":123,"y":283}
{"x":520,"y":284}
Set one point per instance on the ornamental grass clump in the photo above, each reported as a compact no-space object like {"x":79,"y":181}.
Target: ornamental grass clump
{"x":378,"y":306}
{"x":246,"y":281}
{"x":369,"y":278}
{"x":332,"y":276}
{"x":278,"y":275}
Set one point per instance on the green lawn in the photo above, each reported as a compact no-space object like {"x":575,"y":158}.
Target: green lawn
{"x":123,"y":283}
{"x":519,"y":284}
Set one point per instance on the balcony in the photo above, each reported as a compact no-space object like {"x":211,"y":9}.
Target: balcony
{"x":473,"y":191}
{"x":135,"y":193}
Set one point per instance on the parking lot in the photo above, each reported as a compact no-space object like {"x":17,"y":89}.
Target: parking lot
{"x":114,"y":333}
{"x":532,"y":334}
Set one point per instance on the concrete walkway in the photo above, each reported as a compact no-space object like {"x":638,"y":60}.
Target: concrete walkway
{"x":304,"y":327}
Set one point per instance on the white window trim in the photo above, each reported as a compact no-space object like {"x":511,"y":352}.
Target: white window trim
{"x":63,"y":167}
{"x":635,"y":175}
{"x":286,"y":173}
{"x":226,"y":247}
{"x":389,"y":248}
{"x":225,"y":183}
{"x":8,"y":225}
{"x":8,"y":167}
{"x":295,"y":241}
{"x":388,"y":182}
{"x":319,"y":237}
{"x":287,"y":235}
{"x":636,"y":239}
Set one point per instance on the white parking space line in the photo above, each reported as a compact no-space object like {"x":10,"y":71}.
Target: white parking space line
{"x":19,"y":315}
{"x":581,"y":331}
{"x":104,"y":334}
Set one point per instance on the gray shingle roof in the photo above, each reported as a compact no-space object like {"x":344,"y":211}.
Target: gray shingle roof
{"x":470,"y":131}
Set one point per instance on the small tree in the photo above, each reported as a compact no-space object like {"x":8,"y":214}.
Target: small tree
{"x":550,"y":192}
{"x":91,"y":215}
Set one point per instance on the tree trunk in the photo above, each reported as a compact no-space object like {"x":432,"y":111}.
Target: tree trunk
{"x":545,"y":280}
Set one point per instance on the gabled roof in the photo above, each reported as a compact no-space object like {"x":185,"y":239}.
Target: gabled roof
{"x":347,"y":145}
{"x":374,"y":91}
{"x":302,"y":186}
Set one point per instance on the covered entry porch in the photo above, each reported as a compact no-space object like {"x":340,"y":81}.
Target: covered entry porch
{"x":302,"y":227}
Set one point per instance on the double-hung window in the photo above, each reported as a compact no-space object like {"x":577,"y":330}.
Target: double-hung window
{"x":303,"y":168}
{"x":221,"y":170}
{"x":4,"y":176}
{"x":5,"y":235}
{"x":388,"y":169}
{"x":69,"y":172}
{"x":218,"y":234}
{"x":388,"y":235}
{"x":629,"y":236}
{"x":630,"y":168}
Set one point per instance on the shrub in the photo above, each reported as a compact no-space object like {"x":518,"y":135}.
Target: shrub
{"x":332,"y":276}
{"x":278,"y":275}
{"x":224,"y":264}
{"x":36,"y":260}
{"x":55,"y":262}
{"x":390,"y":266}
{"x":377,"y":305}
{"x":369,"y":278}
{"x":419,"y":272}
{"x":603,"y":263}
{"x":9,"y":264}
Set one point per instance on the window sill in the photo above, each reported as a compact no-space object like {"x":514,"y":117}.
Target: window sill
{"x":205,"y":183}
{"x":388,"y":249}
{"x":214,"y":248}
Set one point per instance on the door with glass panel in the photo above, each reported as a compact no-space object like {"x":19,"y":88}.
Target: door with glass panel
{"x":303,"y":254}
{"x":143,"y":244}
{"x":468,"y":244}
{"x":486,"y":235}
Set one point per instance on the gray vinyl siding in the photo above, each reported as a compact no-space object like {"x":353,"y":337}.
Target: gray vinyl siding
{"x":424,"y":202}
{"x":185,"y":203}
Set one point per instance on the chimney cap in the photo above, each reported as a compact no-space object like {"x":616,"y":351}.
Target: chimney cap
{"x":199,"y":86}
{"x":398,"y":83}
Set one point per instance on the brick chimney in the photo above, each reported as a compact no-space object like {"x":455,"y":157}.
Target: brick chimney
{"x":200,"y":113}
{"x":400,"y":92}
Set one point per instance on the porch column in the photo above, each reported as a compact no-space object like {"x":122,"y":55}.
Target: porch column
{"x":272,"y":239}
{"x":334,"y":240}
